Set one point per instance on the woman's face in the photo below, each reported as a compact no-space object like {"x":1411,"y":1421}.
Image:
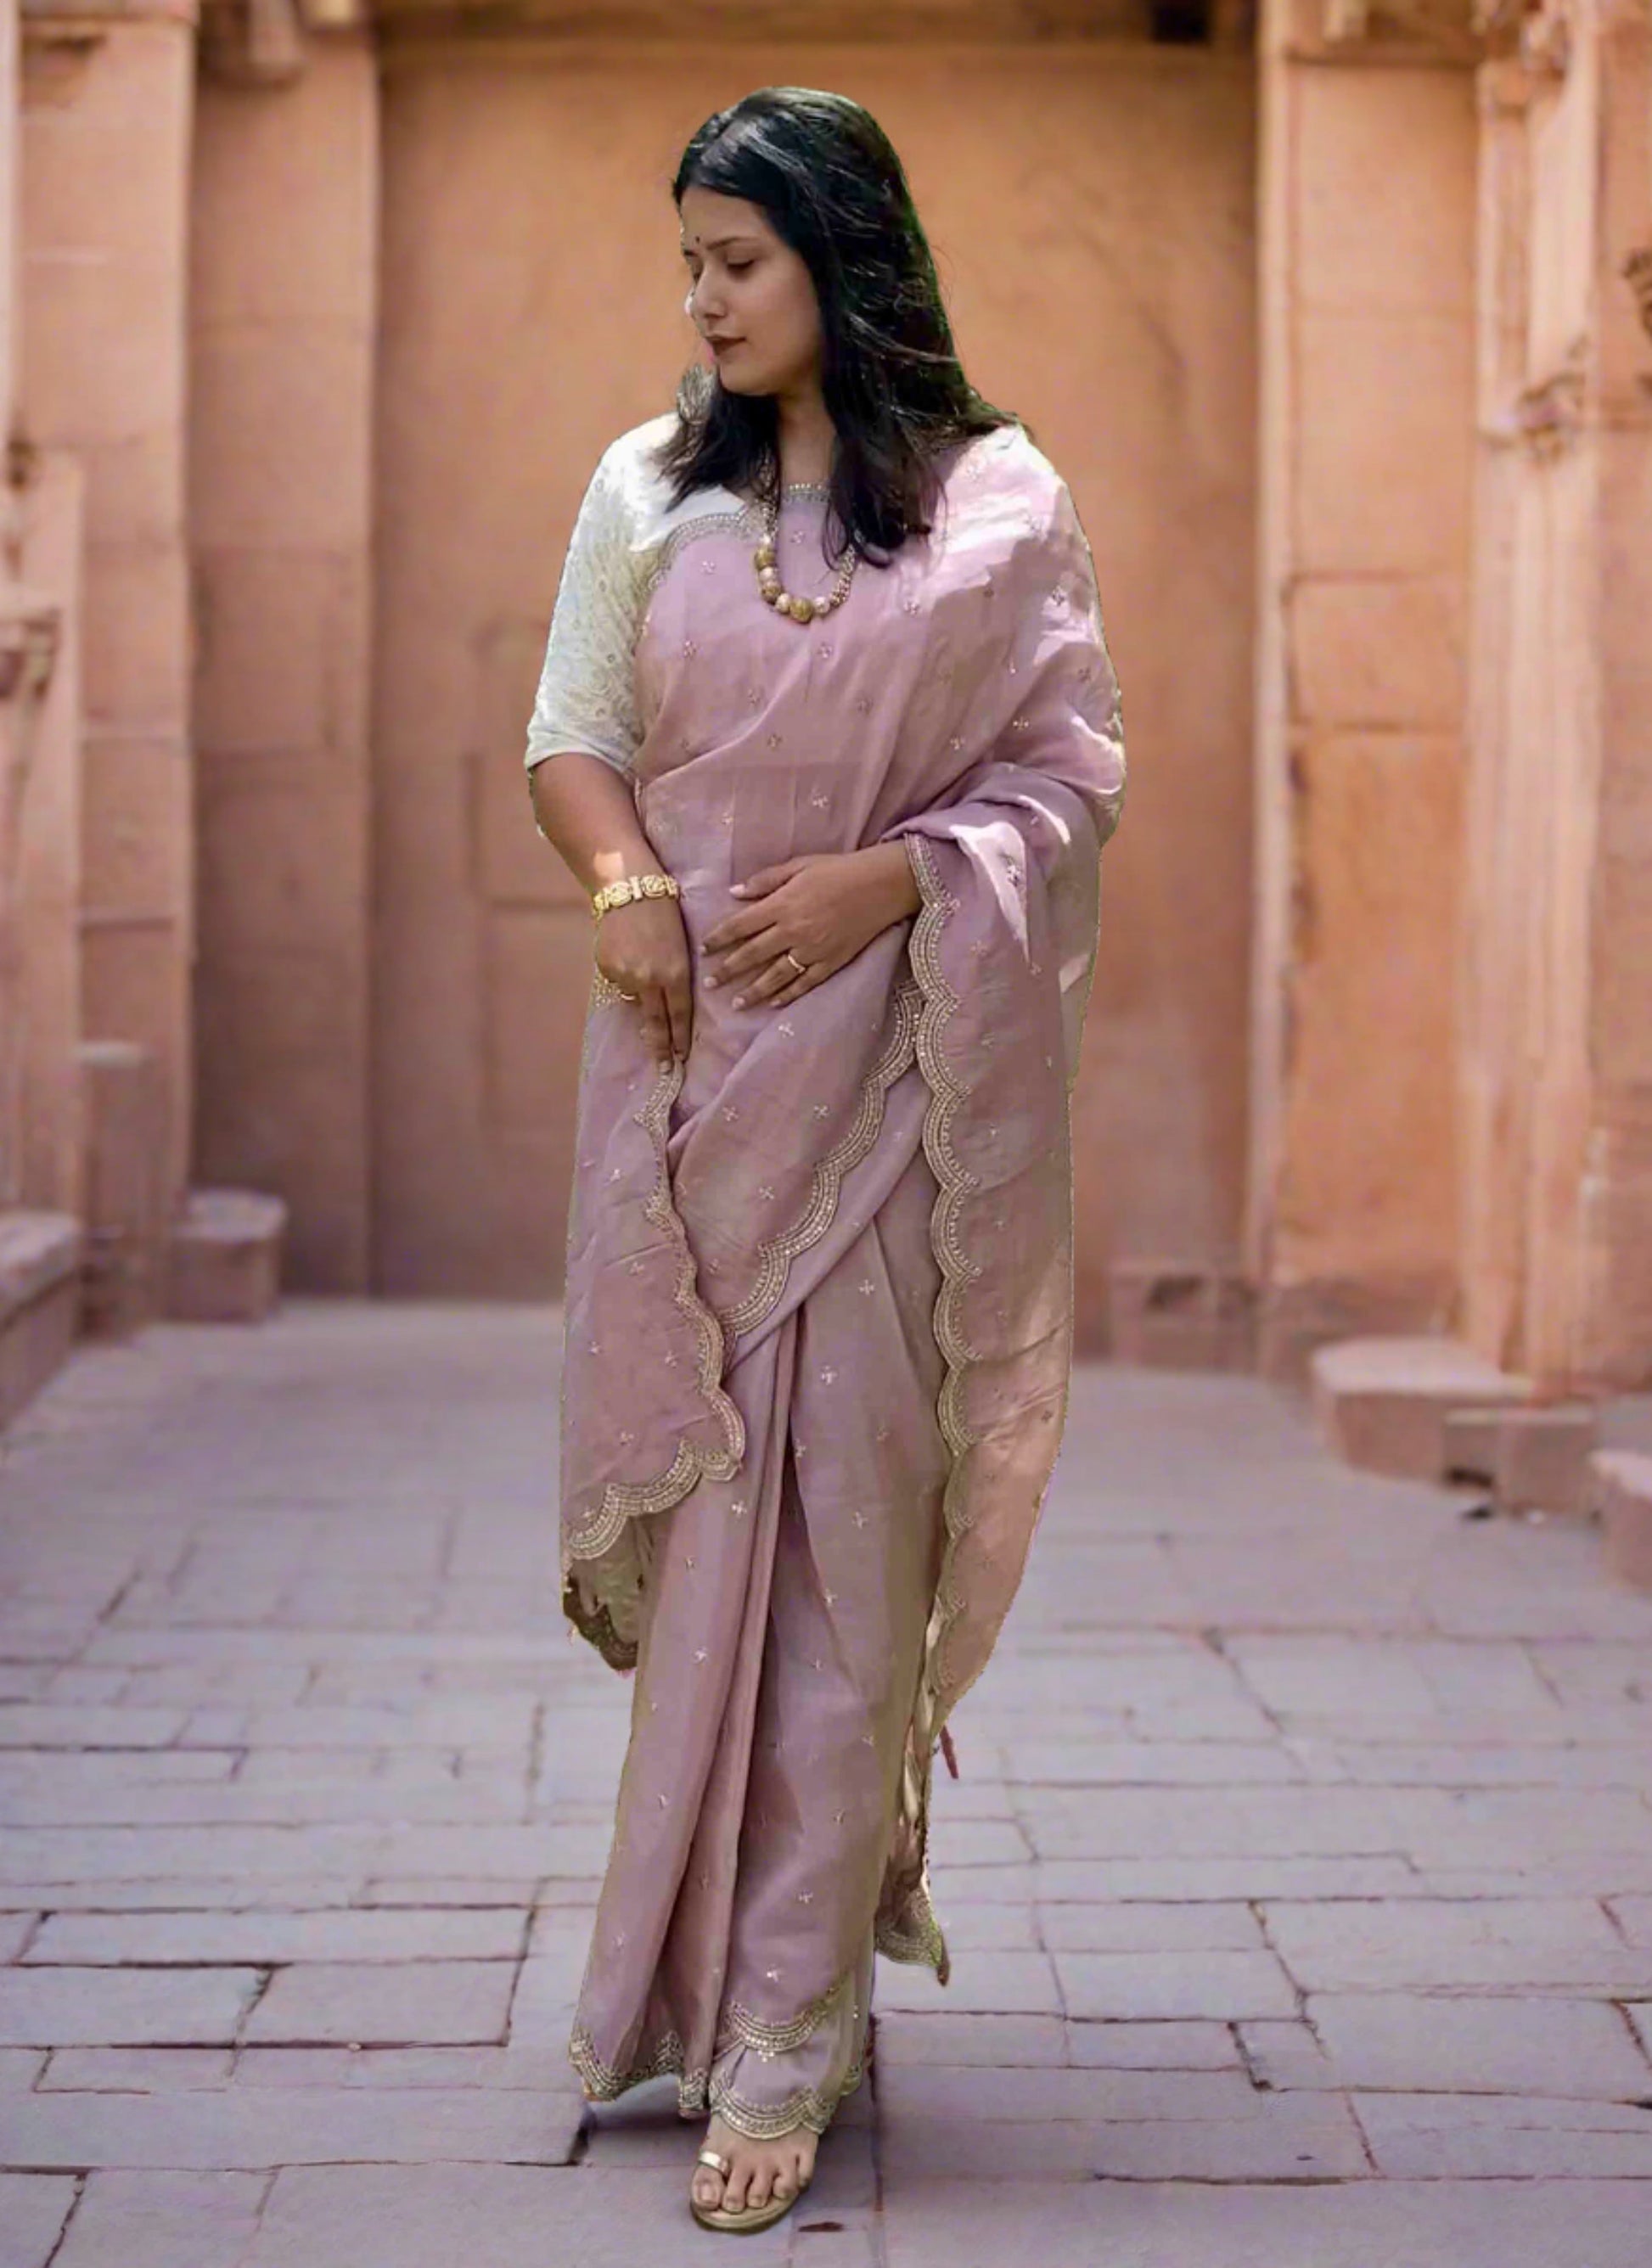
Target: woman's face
{"x":753,"y":299}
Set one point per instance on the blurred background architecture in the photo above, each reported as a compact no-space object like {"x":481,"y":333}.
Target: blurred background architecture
{"x":314,"y":316}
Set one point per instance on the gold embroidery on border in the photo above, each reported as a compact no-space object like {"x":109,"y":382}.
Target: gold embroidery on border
{"x":957,"y":1269}
{"x":697,"y":2091}
{"x":626,"y":1500}
{"x":915,"y":1934}
{"x":956,"y":1182}
{"x":776,"y":1254}
{"x":746,"y":521}
{"x":808,"y":2107}
{"x":771,"y":2040}
{"x":604,"y":2081}
{"x":908,"y":1927}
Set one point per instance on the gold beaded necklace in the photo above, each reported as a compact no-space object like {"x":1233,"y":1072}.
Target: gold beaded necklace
{"x":774,"y":592}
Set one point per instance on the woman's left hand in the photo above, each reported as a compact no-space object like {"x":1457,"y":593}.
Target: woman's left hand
{"x":824,"y":908}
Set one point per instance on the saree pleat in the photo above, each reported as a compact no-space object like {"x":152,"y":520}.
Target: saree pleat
{"x":780,"y":1648}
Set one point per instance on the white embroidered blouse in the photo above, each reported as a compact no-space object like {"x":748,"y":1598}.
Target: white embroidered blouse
{"x":586,"y":702}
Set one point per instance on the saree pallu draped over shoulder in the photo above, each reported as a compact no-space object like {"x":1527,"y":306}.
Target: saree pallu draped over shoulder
{"x":819,"y":1299}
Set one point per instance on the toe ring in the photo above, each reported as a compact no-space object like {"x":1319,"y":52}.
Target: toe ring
{"x":718,"y":2163}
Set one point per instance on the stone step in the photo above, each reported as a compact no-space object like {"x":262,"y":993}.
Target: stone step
{"x":1622,"y":1484}
{"x":1533,"y":1459}
{"x":123,"y":1108}
{"x":1384,"y":1404}
{"x":1170,"y":1315}
{"x":224,"y":1257}
{"x":40,"y":1302}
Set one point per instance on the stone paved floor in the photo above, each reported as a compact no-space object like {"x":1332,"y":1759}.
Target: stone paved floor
{"x":1299,"y":1879}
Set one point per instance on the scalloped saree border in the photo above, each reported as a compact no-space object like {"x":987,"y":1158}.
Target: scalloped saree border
{"x":913,"y":1933}
{"x":701,"y":2089}
{"x":626,"y":1500}
{"x":776,"y":1254}
{"x":954,"y":1182}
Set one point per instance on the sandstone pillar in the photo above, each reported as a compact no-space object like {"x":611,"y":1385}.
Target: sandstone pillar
{"x":284,"y":269}
{"x":43,"y":1138}
{"x":40,"y":1159}
{"x":9,"y":99}
{"x":1367,"y":272}
{"x":108,"y":98}
{"x":1556,"y":1080}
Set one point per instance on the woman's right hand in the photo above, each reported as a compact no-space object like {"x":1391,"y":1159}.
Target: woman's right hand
{"x":643,"y":948}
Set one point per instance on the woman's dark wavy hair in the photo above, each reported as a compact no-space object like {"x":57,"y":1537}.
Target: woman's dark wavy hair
{"x":827,"y":176}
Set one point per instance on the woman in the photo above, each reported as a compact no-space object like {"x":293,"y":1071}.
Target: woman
{"x":828,"y":728}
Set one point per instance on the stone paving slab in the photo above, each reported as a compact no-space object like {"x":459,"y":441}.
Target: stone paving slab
{"x":136,"y":2070}
{"x":50,"y":2007}
{"x":1092,"y":2097}
{"x":385,"y":2004}
{"x":382,"y":1934}
{"x":164,"y":2221}
{"x":1187,"y":1984}
{"x":485,"y":2217}
{"x":1523,"y":1944}
{"x":1085,"y":1881}
{"x":193,"y":1893}
{"x":1009,"y":1984}
{"x":1151,"y":1926}
{"x":33,"y":2208}
{"x":24,"y":1724}
{"x":1299,"y":1882}
{"x":935,"y":2223}
{"x":263,"y":2126}
{"x":1288,"y":2137}
{"x":1476,"y":2046}
{"x":1473,"y":2137}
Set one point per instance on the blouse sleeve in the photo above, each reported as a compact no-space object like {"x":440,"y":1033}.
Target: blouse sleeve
{"x":586,"y":702}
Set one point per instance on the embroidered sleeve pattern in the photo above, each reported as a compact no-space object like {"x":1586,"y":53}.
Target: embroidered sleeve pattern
{"x":586,"y":702}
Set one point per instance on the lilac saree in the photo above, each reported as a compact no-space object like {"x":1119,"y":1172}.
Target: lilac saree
{"x":818,"y":1315}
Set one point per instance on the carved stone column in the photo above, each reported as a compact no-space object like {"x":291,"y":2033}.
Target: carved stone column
{"x":40,"y":887}
{"x":282,"y":343}
{"x":40,"y":1236}
{"x":107,"y":104}
{"x":29,"y":624}
{"x":1367,"y":224}
{"x":1557,"y":1007}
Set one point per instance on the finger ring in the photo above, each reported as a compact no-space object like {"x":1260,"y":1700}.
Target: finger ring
{"x":801,"y":967}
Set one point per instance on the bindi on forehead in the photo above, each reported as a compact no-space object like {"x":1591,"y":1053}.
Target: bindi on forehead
{"x":718,"y":243}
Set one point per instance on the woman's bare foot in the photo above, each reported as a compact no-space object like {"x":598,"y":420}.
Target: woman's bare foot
{"x":760,"y":2170}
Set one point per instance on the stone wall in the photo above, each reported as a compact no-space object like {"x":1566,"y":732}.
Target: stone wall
{"x":1556,"y":1066}
{"x":43,"y":1135}
{"x":1367,"y":237}
{"x":107,"y":103}
{"x":282,"y":357}
{"x":1373,"y":1002}
{"x":41,"y":1157}
{"x":1092,"y":210}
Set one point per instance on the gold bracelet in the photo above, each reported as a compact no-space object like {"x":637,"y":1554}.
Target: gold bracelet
{"x":630,"y":886}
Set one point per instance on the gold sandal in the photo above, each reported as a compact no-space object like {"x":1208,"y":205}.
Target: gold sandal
{"x":749,"y":2219}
